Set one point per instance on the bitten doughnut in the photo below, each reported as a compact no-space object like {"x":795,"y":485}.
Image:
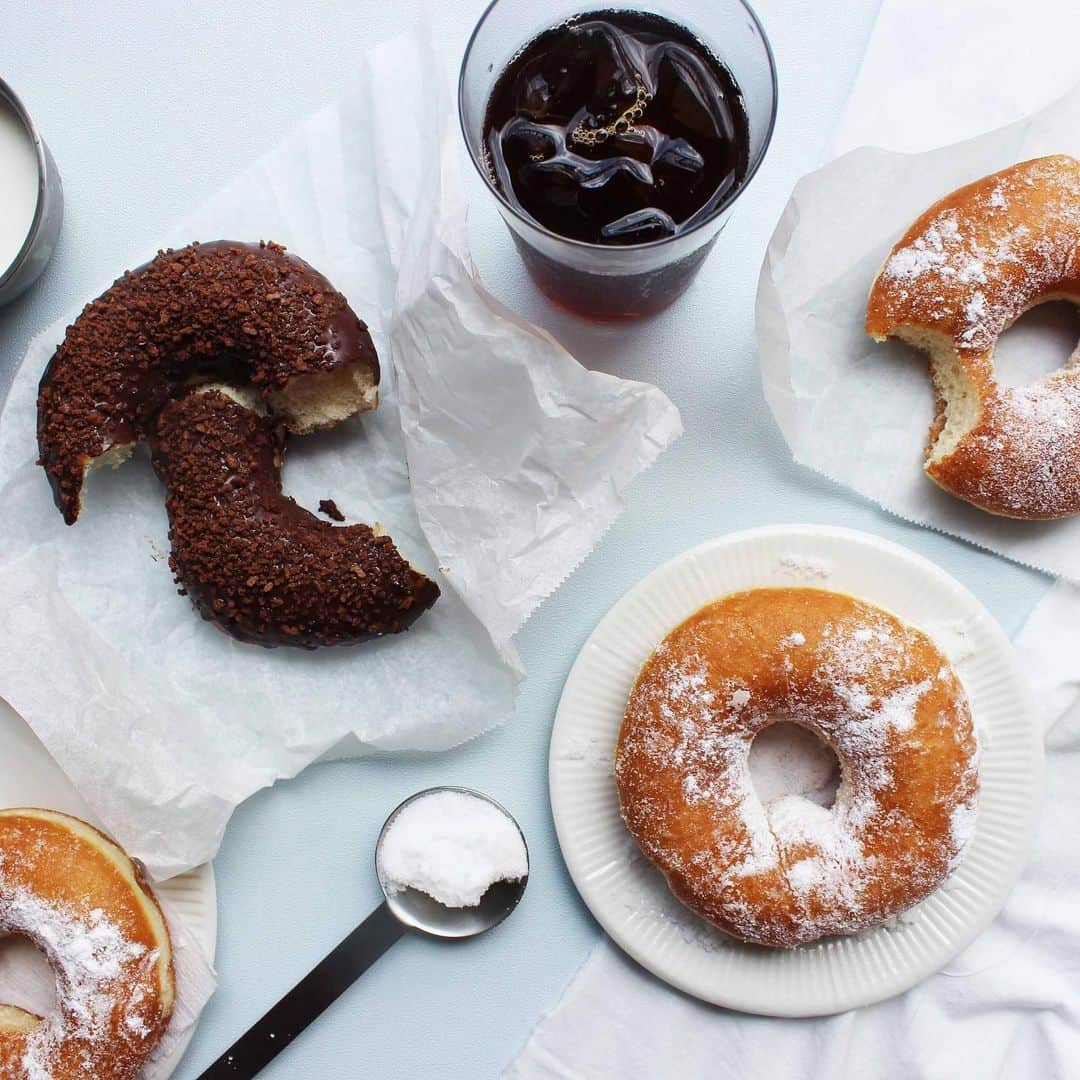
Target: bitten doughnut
{"x":875,"y":690}
{"x":961,"y":275}
{"x":254,"y":562}
{"x":239,"y":313}
{"x":73,"y":893}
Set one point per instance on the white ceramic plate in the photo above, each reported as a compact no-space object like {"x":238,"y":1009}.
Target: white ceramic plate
{"x":30,"y":777}
{"x":630,"y":898}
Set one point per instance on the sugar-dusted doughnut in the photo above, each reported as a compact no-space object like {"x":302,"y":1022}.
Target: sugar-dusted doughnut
{"x":245,"y":313}
{"x":72,"y":892}
{"x":253,"y":561}
{"x":961,"y":275}
{"x":874,"y":689}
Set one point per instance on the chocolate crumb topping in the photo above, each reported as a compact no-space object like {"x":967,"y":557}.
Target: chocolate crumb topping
{"x":222,"y":311}
{"x":255,"y":563}
{"x":330,"y":509}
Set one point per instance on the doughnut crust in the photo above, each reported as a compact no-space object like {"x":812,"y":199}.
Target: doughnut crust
{"x":874,"y":689}
{"x":84,"y":904}
{"x":960,"y":276}
{"x":228,"y":311}
{"x":259,"y":566}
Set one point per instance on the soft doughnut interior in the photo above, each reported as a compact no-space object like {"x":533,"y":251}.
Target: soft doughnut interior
{"x":309,"y":403}
{"x":958,"y":405}
{"x":324,"y":399}
{"x":962,"y":274}
{"x":17,"y":1021}
{"x":959,"y":409}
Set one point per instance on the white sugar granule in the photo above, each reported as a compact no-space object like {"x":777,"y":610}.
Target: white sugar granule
{"x":786,"y":758}
{"x":805,"y":566}
{"x":962,"y":828}
{"x":452,"y":846}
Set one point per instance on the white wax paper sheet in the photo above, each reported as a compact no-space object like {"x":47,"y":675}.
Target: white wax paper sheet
{"x":494,"y":460}
{"x":857,"y":411}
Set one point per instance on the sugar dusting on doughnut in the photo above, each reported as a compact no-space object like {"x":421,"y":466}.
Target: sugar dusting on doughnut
{"x":961,"y":275}
{"x":876,"y":691}
{"x":89,"y":954}
{"x":74,"y":894}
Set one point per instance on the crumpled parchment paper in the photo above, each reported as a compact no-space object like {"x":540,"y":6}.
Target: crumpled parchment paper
{"x":495,"y":461}
{"x":857,"y":411}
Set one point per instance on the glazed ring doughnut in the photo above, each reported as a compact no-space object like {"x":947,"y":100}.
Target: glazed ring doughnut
{"x":874,"y":689}
{"x":73,"y":893}
{"x":224,"y":311}
{"x":961,"y":275}
{"x":255,"y":563}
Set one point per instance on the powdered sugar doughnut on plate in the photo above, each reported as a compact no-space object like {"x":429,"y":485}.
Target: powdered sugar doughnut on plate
{"x":631,"y":899}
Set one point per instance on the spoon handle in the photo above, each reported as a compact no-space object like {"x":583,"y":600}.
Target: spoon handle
{"x":320,"y":988}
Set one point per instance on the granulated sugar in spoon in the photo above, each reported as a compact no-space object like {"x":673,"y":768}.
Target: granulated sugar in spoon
{"x":451,"y":863}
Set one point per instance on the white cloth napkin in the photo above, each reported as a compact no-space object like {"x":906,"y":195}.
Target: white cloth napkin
{"x":1008,"y":1006}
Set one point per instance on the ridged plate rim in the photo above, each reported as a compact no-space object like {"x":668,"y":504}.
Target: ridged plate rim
{"x":630,"y":899}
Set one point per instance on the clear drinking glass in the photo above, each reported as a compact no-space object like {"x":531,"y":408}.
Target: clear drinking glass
{"x":599,"y":281}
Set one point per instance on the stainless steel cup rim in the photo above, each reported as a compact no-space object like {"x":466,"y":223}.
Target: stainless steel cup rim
{"x":8,"y":95}
{"x":722,"y":207}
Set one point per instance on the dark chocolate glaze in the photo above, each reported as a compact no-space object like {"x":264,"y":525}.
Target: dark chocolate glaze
{"x":225,"y":311}
{"x":255,"y":563}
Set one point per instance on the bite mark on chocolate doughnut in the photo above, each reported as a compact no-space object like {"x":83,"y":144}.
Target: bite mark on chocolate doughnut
{"x":253,"y":561}
{"x":249,"y":314}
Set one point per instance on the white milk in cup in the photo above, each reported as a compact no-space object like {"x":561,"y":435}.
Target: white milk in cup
{"x":18,"y":185}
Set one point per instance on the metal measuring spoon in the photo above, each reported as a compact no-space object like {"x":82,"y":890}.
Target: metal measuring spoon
{"x":408,"y":909}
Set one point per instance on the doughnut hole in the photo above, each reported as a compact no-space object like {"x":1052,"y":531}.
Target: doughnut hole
{"x":788,"y":759}
{"x":1042,"y":341}
{"x":27,"y":982}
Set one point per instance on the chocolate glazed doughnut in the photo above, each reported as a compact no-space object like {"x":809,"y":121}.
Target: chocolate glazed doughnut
{"x":240,"y":313}
{"x":252,"y":560}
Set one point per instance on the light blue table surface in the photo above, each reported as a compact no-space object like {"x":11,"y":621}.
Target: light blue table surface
{"x":148,"y":109}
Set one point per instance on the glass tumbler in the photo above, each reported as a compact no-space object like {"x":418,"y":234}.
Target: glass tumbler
{"x":599,"y":281}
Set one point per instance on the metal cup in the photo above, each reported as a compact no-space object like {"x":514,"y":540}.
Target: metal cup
{"x":41,"y":239}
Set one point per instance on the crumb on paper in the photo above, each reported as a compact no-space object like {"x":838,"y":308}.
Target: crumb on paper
{"x":330,"y":509}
